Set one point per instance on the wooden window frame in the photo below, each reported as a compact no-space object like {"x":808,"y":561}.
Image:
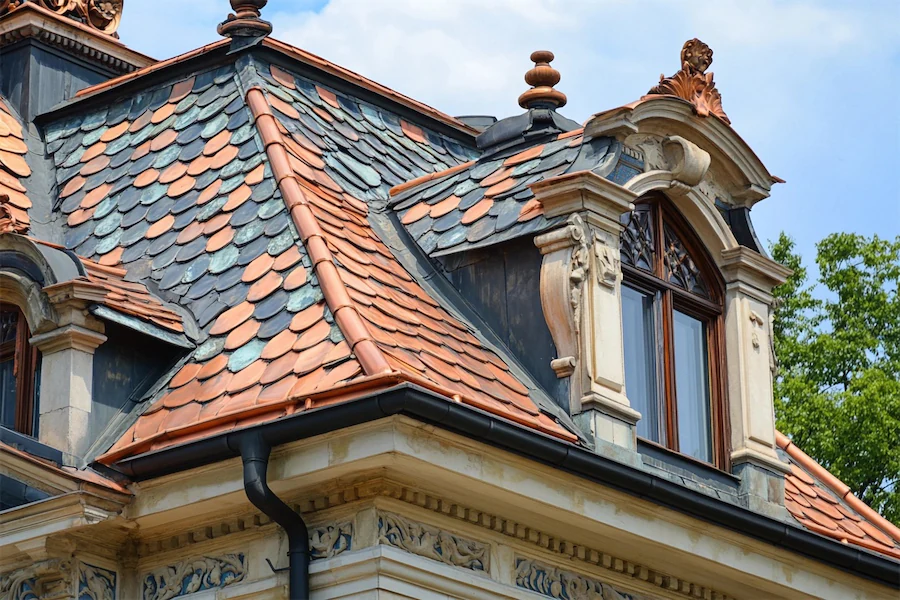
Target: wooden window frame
{"x":670,"y":297}
{"x":25,"y":361}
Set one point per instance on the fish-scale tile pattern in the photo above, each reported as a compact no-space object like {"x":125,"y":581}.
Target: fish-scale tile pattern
{"x":489,"y":200}
{"x":130,"y":297}
{"x":417,"y":335}
{"x":817,"y":508}
{"x":364,"y":149}
{"x":13,"y":168}
{"x":173,"y":185}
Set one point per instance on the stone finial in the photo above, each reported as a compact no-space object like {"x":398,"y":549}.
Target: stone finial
{"x":245,"y":21}
{"x":692,"y":82}
{"x":542,"y":78}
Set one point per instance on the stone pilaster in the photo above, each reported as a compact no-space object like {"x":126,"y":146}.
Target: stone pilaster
{"x":67,"y":366}
{"x":749,"y":280}
{"x":581,"y":296}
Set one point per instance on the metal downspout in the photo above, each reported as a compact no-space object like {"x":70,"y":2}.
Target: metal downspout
{"x":255,"y":451}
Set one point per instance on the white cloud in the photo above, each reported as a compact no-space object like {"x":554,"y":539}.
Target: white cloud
{"x":469,"y":56}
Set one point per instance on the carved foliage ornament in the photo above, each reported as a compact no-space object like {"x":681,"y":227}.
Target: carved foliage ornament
{"x":565,"y":585}
{"x":100,"y":15}
{"x":692,"y":82}
{"x":431,"y":542}
{"x":95,"y":583}
{"x":45,"y":579}
{"x":190,"y":576}
{"x":330,"y":540}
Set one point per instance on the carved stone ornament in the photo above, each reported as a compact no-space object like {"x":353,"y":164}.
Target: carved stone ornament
{"x":44,"y":580}
{"x":432,"y":543}
{"x":692,"y":82}
{"x":556,"y":583}
{"x":688,"y":163}
{"x":563,"y":273}
{"x":327,"y":541}
{"x":608,"y":269}
{"x":101,"y":15}
{"x":95,"y":583}
{"x":190,"y":576}
{"x":8,"y":221}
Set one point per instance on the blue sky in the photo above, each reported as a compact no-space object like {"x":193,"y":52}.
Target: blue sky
{"x":812,"y":86}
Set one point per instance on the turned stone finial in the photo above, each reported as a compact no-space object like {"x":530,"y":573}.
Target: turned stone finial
{"x":245,"y":21}
{"x":542,"y":77}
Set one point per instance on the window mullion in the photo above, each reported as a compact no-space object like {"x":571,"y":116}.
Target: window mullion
{"x":670,"y":404}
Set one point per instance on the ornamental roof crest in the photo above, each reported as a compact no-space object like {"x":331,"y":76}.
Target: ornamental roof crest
{"x":100,"y":15}
{"x":692,"y":82}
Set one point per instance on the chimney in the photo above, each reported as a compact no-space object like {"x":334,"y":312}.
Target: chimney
{"x":50,"y":50}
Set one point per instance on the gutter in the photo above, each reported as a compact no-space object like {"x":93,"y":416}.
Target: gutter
{"x":420,"y":404}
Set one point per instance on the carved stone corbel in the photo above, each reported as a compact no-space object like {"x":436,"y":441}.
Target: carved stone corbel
{"x":563,"y":272}
{"x":688,"y":163}
{"x":581,"y":298}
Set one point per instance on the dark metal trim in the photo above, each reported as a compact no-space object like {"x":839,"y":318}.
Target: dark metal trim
{"x":30,"y":445}
{"x":426,"y":406}
{"x":20,"y":262}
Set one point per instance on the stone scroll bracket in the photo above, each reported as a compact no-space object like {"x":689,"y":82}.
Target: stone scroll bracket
{"x":581,"y":297}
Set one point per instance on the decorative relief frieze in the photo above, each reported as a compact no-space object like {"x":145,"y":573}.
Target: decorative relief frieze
{"x":432,"y":543}
{"x":190,"y":576}
{"x":44,"y":580}
{"x":95,"y":583}
{"x":566,"y":585}
{"x":327,"y":541}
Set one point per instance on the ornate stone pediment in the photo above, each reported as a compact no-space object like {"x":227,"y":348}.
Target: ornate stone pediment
{"x":692,"y":82}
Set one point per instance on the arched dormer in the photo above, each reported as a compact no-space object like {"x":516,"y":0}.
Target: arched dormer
{"x":705,"y":178}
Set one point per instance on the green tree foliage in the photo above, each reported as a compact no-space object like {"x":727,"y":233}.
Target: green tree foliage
{"x":837,"y":391}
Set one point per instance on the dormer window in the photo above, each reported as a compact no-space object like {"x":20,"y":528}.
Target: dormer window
{"x":18,"y":365}
{"x":672,"y":323}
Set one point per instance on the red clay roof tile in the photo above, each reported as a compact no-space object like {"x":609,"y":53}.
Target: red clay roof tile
{"x":824,"y":504}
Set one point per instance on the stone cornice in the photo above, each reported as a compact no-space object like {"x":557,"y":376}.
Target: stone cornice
{"x":31,"y":21}
{"x":600,"y":201}
{"x":68,"y":337}
{"x":320,"y":507}
{"x":743,"y":267}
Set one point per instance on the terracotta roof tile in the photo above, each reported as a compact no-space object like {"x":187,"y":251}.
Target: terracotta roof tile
{"x":255,"y":221}
{"x":824,"y":504}
{"x":14,"y":201}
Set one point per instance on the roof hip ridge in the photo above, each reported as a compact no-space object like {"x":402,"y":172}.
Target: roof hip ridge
{"x":345,"y":312}
{"x":836,"y":485}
